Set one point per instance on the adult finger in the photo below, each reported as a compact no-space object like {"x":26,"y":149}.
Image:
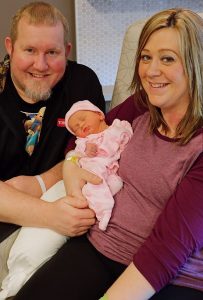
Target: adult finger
{"x":90,"y":177}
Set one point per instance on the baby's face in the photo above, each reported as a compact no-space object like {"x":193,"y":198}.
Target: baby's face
{"x":85,"y":122}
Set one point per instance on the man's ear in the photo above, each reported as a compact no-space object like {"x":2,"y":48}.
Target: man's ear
{"x":8,"y":45}
{"x":67,"y":49}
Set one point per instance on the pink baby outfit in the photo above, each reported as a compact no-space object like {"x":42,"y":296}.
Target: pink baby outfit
{"x":110,"y":143}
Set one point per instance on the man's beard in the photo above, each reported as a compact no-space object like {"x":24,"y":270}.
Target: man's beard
{"x":38,"y":94}
{"x":34,"y":90}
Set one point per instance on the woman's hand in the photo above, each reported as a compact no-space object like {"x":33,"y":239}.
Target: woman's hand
{"x":78,"y":218}
{"x":76,"y":177}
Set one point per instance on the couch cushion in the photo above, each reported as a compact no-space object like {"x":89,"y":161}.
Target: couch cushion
{"x":5,"y":247}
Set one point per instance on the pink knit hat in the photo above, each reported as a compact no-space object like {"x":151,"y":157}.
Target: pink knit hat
{"x":80,"y":105}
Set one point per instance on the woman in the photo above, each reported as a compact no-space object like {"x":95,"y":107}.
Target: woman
{"x":154,"y":239}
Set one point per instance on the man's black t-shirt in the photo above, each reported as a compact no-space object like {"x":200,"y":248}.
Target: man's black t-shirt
{"x":78,"y":83}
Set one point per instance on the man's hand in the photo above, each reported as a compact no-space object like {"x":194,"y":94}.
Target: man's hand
{"x":70,"y":216}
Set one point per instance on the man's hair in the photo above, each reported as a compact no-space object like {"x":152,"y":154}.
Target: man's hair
{"x":189,"y":26}
{"x":39,"y":13}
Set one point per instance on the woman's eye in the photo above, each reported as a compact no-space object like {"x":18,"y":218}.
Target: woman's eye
{"x":168,"y":59}
{"x":145,"y":57}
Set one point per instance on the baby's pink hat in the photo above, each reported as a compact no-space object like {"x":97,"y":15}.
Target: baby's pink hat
{"x":80,"y":105}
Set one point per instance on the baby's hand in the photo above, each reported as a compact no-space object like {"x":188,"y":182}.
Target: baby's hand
{"x":91,"y":150}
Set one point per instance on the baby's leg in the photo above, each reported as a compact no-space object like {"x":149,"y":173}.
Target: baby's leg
{"x":100,"y":200}
{"x":115,"y":183}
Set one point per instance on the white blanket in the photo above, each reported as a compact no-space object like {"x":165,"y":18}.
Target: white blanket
{"x":31,"y":249}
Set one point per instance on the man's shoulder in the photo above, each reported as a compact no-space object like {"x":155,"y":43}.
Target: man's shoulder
{"x":75,"y":67}
{"x":77,"y":74}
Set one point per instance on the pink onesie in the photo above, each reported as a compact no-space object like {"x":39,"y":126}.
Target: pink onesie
{"x":111,"y":142}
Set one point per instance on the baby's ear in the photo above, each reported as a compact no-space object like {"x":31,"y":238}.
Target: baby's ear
{"x":101,"y":115}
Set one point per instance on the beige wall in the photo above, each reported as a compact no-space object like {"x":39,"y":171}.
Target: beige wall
{"x":9,"y":7}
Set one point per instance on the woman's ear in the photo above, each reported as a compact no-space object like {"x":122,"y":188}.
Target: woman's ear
{"x":8,"y":45}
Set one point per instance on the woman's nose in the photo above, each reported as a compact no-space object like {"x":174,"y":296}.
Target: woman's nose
{"x":154,"y":68}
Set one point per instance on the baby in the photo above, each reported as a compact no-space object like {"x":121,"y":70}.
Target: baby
{"x":98,"y":149}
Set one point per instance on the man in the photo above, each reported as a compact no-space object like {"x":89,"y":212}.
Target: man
{"x":38,"y":83}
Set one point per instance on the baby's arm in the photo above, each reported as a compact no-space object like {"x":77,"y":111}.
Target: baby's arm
{"x":91,"y":149}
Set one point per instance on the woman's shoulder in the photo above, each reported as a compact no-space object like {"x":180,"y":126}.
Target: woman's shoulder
{"x":127,"y":110}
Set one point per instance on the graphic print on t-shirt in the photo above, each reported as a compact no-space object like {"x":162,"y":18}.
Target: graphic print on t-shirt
{"x":33,"y":125}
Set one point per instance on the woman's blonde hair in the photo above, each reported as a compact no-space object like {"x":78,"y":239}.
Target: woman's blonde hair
{"x":189,"y":25}
{"x":39,"y":13}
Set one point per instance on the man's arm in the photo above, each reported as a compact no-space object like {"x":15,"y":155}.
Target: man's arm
{"x":68,"y":215}
{"x":30,"y":185}
{"x":19,"y":208}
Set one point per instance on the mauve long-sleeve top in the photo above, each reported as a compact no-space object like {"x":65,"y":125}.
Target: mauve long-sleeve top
{"x":157,"y":219}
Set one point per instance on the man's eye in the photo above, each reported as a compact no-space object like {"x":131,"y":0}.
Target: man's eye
{"x":52,"y":53}
{"x":29,"y":50}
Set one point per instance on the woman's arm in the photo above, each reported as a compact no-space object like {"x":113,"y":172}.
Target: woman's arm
{"x":130,"y":285}
{"x":177,"y":232}
{"x":75,"y":178}
{"x":176,"y":235}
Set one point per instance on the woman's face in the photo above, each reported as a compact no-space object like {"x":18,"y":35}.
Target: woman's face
{"x":162,"y":74}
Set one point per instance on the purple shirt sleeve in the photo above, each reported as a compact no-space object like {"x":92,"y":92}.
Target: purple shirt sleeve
{"x":127,"y":110}
{"x":70,"y":145}
{"x":178,"y":231}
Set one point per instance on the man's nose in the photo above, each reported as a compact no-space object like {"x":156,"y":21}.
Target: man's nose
{"x":41,"y":62}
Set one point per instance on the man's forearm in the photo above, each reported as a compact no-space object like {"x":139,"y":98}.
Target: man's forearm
{"x":19,"y":208}
{"x":36,"y":185}
{"x":52,"y":176}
